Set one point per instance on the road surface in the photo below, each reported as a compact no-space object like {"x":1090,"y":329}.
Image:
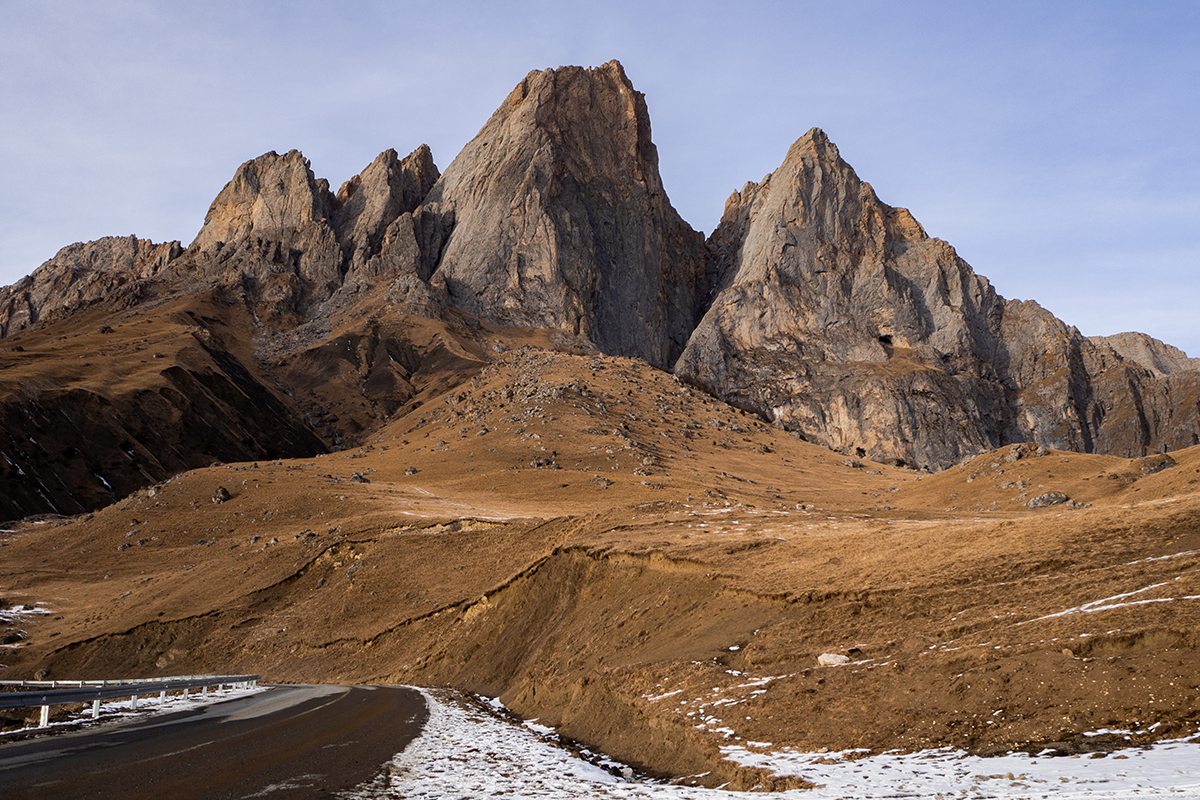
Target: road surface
{"x":288,"y":742}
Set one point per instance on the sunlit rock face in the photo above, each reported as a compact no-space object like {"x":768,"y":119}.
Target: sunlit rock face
{"x":556,"y":217}
{"x":838,"y":317}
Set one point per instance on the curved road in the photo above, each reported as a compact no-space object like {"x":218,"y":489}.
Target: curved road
{"x":289,"y":742}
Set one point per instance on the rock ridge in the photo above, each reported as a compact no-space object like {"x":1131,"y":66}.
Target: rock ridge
{"x":838,"y":317}
{"x":813,"y":303}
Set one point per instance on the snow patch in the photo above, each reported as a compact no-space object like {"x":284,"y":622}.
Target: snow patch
{"x":464,"y":752}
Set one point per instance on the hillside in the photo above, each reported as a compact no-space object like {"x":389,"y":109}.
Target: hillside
{"x":651,"y":571}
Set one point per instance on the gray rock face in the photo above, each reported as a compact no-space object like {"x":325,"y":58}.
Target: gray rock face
{"x":1159,"y":358}
{"x":80,"y":275}
{"x":560,"y":219}
{"x":278,"y":228}
{"x":374,"y":219}
{"x":271,"y":224}
{"x":839,"y":317}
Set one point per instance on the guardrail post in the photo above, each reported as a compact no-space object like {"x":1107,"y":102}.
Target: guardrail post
{"x":162,"y":695}
{"x":133,"y":705}
{"x":96,"y":708}
{"x":44,"y":722}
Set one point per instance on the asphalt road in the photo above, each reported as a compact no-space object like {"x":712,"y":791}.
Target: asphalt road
{"x":288,"y":742}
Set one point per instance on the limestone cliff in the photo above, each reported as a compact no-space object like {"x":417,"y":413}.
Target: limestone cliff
{"x":279,"y":232}
{"x":80,"y":275}
{"x":840,"y":318}
{"x":1158,"y":357}
{"x":555,"y":217}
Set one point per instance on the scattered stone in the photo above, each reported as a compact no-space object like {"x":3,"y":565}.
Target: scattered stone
{"x":1152,"y":464}
{"x":832,"y":660}
{"x":220,"y":495}
{"x":1047,"y":499}
{"x":358,"y":477}
{"x":411,"y":471}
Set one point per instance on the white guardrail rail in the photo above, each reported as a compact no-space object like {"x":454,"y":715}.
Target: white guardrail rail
{"x":54,"y":693}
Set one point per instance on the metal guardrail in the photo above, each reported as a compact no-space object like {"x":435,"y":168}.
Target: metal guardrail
{"x":62,"y":692}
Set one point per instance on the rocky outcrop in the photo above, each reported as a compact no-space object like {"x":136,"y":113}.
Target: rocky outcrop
{"x":840,"y":318}
{"x":79,"y":275}
{"x":1149,"y":353}
{"x":555,"y":217}
{"x":277,"y":230}
{"x":374,"y":221}
{"x":271,"y":227}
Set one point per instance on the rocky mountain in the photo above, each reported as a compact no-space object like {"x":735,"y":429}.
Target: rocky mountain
{"x":300,"y":319}
{"x":558,"y":219}
{"x":1157,"y":357}
{"x":113,"y":268}
{"x":838,"y":317}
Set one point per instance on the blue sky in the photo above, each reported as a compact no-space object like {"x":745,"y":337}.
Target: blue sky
{"x":1053,"y":144}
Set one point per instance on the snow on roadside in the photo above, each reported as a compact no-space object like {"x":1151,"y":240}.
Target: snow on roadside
{"x":147,"y":704}
{"x":464,"y":752}
{"x":1167,"y":769}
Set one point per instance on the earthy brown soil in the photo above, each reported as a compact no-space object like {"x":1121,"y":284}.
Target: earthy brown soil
{"x":651,"y":570}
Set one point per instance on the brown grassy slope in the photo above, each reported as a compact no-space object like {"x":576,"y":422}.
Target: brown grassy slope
{"x":591,"y":540}
{"x":105,"y":402}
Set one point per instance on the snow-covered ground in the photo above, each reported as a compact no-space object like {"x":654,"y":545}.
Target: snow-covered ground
{"x":464,"y":752}
{"x":147,"y":704}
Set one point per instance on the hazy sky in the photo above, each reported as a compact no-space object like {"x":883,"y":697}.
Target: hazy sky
{"x":1055,"y":145}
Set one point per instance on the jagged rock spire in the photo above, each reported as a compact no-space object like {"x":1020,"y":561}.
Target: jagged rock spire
{"x":560,"y":219}
{"x":840,"y":318}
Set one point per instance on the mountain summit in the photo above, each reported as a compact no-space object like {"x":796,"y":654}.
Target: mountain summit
{"x":561,"y":220}
{"x":838,"y":317}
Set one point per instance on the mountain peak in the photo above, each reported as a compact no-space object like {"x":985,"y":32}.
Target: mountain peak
{"x":561,"y":220}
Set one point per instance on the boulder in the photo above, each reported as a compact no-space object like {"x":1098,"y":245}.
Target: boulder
{"x":1152,"y":464}
{"x":832,"y":660}
{"x":1048,"y":499}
